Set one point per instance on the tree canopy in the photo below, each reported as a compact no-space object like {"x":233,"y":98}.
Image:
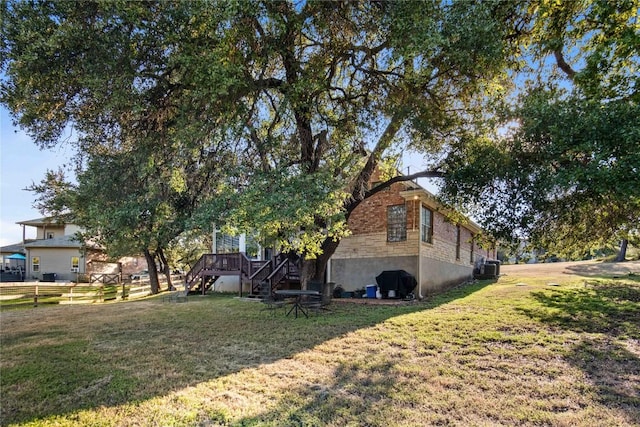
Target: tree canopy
{"x":309,"y":97}
{"x":562,"y":168}
{"x":272,"y":116}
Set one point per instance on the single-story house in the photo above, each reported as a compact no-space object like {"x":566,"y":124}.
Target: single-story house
{"x":405,"y":228}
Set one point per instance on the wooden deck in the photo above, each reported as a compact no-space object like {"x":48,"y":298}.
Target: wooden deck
{"x":279,"y":272}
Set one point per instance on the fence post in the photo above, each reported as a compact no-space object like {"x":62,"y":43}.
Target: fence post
{"x":35,"y":297}
{"x":70,"y":293}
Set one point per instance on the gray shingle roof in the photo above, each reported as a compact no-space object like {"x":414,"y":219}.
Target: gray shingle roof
{"x":13,"y":248}
{"x":56,"y":242}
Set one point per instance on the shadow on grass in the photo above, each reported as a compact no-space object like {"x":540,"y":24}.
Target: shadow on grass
{"x":610,"y":311}
{"x":59,"y":360}
{"x":356,"y":392}
{"x":609,"y":307}
{"x":614,"y":369}
{"x":606,"y":270}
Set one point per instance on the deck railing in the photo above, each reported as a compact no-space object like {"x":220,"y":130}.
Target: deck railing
{"x":232,"y":262}
{"x":259,"y":276}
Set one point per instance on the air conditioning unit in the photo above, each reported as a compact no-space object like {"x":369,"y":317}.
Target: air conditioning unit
{"x":74,"y":269}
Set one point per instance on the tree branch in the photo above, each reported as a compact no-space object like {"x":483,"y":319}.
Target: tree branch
{"x":405,"y":178}
{"x":358,"y":190}
{"x":354,"y":202}
{"x":563,"y":65}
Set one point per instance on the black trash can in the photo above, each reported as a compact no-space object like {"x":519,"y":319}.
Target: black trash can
{"x":48,"y":277}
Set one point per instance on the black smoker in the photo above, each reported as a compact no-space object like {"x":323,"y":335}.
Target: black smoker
{"x":399,"y":281}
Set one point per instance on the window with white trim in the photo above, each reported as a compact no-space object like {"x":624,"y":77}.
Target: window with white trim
{"x":426,"y":225}
{"x":227,"y":244}
{"x":35,"y":264}
{"x":396,"y":223}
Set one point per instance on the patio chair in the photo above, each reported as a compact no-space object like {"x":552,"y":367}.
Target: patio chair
{"x":271,"y":302}
{"x":313,"y":303}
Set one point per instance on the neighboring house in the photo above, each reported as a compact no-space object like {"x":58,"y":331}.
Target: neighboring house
{"x":405,"y":228}
{"x":55,"y":254}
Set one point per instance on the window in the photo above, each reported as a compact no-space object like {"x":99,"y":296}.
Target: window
{"x":396,"y":223}
{"x":227,"y":244}
{"x":35,"y":264}
{"x":75,"y":262}
{"x":471,"y":250}
{"x":458,"y":232}
{"x":426,"y":225}
{"x":50,"y":235}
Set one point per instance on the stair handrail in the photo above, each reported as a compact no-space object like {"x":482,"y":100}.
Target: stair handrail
{"x":259,"y":275}
{"x":273,"y":278}
{"x":246,"y":266}
{"x":260,"y":270}
{"x":193,"y":273}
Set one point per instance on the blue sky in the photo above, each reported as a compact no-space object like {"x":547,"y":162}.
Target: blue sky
{"x":21,"y":164}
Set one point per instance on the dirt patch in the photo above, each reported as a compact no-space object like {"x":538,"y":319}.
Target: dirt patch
{"x":576,"y":268}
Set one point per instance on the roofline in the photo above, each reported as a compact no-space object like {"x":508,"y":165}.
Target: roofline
{"x":430,"y":200}
{"x":50,"y":220}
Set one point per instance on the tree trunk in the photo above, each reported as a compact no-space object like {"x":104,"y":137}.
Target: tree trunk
{"x":314,"y":269}
{"x":153,"y":271}
{"x":165,"y":268}
{"x":622,"y":255}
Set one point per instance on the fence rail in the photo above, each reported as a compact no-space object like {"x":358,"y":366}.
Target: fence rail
{"x":35,"y":294}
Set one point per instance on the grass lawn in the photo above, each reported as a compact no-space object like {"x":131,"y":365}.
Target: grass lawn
{"x":519,"y":351}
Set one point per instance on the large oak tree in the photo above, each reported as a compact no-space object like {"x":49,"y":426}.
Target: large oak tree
{"x":310,"y":96}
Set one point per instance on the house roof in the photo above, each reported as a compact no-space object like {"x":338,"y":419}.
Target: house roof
{"x":13,"y":248}
{"x":39,"y":222}
{"x":56,"y":242}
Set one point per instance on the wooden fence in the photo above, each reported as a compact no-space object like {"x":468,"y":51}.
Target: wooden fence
{"x":35,"y":294}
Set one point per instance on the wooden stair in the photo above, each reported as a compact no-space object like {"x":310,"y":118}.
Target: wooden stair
{"x":280,"y":272}
{"x":210,"y":267}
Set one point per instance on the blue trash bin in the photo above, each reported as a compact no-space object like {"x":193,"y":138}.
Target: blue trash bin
{"x":371,"y":291}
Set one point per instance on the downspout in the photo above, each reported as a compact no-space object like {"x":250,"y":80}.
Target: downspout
{"x":420,"y":297}
{"x":419,"y":269}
